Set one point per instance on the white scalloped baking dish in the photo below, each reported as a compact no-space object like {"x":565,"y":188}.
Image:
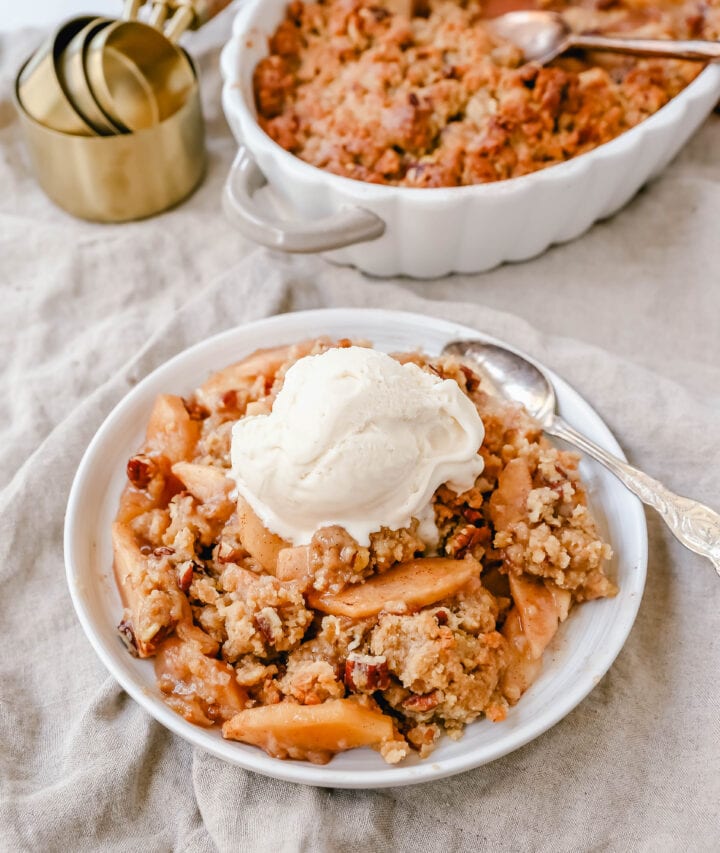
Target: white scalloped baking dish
{"x":387,"y":230}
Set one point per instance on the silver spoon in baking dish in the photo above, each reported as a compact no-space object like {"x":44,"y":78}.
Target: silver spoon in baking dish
{"x":544,"y":35}
{"x":509,"y":376}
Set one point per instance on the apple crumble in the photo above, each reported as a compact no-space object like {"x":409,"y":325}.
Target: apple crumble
{"x":363,"y":89}
{"x":309,"y":649}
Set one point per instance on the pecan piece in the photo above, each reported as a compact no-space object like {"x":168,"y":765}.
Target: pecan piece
{"x":228,"y":553}
{"x":195,"y":410}
{"x":140,"y":470}
{"x":185,"y":576}
{"x":422,"y":704}
{"x":163,"y":551}
{"x":366,"y":673}
{"x":472,"y":380}
{"x":269,"y":625}
{"x":466,"y":539}
{"x":442,"y":617}
{"x":379,"y":13}
{"x":127,"y":635}
{"x":472,"y":515}
{"x":229,"y":400}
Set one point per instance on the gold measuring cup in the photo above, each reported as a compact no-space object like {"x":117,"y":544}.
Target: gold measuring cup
{"x":136,"y":75}
{"x":71,"y":72}
{"x":41,"y":89}
{"x":136,"y":146}
{"x":121,"y":177}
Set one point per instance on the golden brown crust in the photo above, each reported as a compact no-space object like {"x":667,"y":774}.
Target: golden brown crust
{"x":363,"y":90}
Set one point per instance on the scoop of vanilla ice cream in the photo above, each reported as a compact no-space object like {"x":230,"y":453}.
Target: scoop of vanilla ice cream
{"x":355,"y":439}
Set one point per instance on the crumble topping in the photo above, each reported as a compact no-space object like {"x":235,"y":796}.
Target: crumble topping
{"x":360,"y":89}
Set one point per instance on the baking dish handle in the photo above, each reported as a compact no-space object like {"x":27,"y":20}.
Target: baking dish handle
{"x":347,"y":226}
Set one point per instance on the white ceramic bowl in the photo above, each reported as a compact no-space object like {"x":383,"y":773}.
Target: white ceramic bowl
{"x":431,"y":232}
{"x":585,"y":647}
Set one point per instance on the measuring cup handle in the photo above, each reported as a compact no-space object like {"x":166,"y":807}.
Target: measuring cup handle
{"x":130,"y":9}
{"x":347,"y":226}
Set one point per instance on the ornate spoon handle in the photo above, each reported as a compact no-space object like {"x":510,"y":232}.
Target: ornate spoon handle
{"x":692,"y":523}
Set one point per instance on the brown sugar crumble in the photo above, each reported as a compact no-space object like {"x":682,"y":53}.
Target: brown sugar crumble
{"x":361,"y":89}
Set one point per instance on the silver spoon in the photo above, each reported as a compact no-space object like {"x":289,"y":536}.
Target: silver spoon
{"x":544,"y":35}
{"x":507,"y":375}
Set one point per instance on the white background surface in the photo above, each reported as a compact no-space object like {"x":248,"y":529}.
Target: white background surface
{"x":43,"y":13}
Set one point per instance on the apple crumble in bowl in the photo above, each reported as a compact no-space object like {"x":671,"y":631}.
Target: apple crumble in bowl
{"x":326,"y":547}
{"x":484,"y":610}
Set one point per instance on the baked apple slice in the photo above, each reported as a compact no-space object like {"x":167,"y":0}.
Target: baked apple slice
{"x":244,"y":374}
{"x":313,"y":732}
{"x":257,"y":540}
{"x":529,"y":628}
{"x":508,"y":503}
{"x":208,"y":485}
{"x":153,"y":604}
{"x":540,"y":609}
{"x":293,"y":564}
{"x":171,"y":431}
{"x":416,"y":584}
{"x":201,"y":689}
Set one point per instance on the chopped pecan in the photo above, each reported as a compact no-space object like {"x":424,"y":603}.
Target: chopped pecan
{"x":421,"y":704}
{"x":269,"y":625}
{"x":229,"y":400}
{"x":228,"y":553}
{"x":127,"y":635}
{"x":366,"y":673}
{"x":466,"y":539}
{"x":163,"y":551}
{"x":472,"y":380}
{"x":472,"y":515}
{"x":379,"y":13}
{"x":442,"y":617}
{"x":213,"y":712}
{"x":185,"y":576}
{"x":195,"y":410}
{"x":140,"y":470}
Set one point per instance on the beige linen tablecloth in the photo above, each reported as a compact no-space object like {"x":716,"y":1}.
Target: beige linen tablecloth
{"x":629,"y":314}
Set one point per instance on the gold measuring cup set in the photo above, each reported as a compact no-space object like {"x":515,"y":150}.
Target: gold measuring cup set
{"x":110,"y":111}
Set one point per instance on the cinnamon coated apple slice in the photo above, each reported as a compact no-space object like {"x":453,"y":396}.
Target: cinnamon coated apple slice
{"x":200,"y":688}
{"x":257,"y":540}
{"x":522,"y":668}
{"x":540,"y":609}
{"x":293,"y":564}
{"x":171,"y":431}
{"x":312,"y":732}
{"x":208,"y":485}
{"x":508,"y":503}
{"x":244,"y":374}
{"x":529,"y":628}
{"x":416,"y":583}
{"x":153,"y":604}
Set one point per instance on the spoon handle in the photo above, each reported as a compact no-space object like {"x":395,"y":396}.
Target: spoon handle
{"x":692,"y":523}
{"x":698,"y":49}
